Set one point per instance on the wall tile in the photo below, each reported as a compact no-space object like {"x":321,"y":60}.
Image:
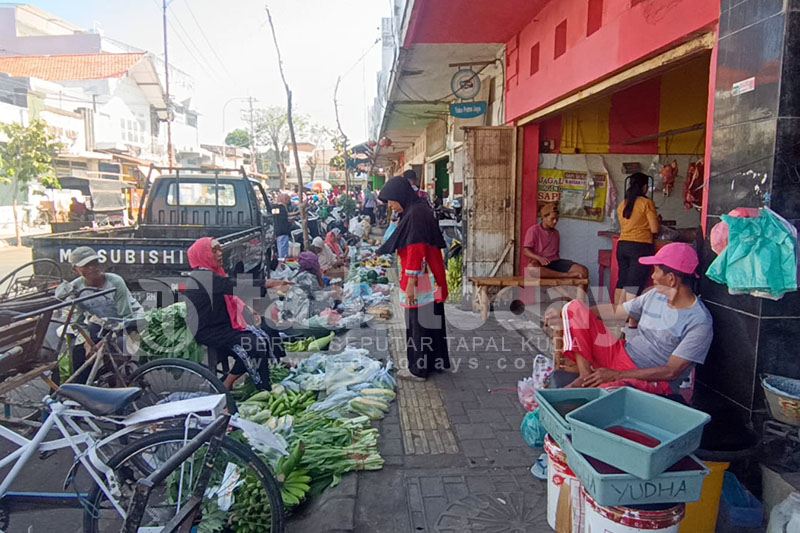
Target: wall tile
{"x":747,"y":186}
{"x":790,"y":70}
{"x":785,"y":196}
{"x":778,"y":347}
{"x":737,"y":145}
{"x":718,"y":406}
{"x":730,"y":366}
{"x":749,"y":11}
{"x":739,"y":60}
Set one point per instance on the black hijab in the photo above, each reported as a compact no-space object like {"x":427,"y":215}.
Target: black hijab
{"x":417,"y":223}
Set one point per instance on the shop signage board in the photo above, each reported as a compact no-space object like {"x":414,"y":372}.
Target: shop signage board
{"x":744,"y":86}
{"x":468,"y":109}
{"x":579,"y":195}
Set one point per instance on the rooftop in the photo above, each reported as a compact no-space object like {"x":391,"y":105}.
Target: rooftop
{"x":75,"y":67}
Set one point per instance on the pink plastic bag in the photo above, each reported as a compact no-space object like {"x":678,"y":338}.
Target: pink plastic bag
{"x":526,"y":388}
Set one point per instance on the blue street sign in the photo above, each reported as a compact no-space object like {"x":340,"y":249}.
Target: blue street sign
{"x":468,"y":109}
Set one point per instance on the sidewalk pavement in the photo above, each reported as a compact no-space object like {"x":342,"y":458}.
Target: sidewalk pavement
{"x":455,"y":457}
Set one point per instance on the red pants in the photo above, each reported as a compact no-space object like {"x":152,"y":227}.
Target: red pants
{"x":585,"y":334}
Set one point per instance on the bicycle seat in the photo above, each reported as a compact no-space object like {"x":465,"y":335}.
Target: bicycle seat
{"x":97,"y":400}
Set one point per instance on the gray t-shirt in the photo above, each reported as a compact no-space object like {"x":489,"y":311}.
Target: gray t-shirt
{"x":118,"y":304}
{"x":664,"y":332}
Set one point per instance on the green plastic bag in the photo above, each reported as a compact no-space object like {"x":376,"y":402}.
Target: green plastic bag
{"x":533,"y":431}
{"x":761,"y":257}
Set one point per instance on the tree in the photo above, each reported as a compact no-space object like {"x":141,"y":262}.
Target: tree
{"x":238,"y":137}
{"x":318,"y":136}
{"x":292,"y":133}
{"x":27,"y":158}
{"x":271,"y":130}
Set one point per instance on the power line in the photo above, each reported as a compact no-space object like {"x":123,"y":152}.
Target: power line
{"x":205,"y":38}
{"x":186,"y":46}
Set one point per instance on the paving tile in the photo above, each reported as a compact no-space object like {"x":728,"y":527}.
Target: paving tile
{"x":431,"y":486}
{"x":389,"y":446}
{"x":472,"y":448}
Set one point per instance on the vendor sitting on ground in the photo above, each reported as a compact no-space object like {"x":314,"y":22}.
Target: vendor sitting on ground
{"x":331,"y":265}
{"x":673,"y":333}
{"x":542,"y":245}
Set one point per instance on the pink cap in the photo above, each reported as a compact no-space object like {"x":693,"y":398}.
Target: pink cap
{"x":677,"y":256}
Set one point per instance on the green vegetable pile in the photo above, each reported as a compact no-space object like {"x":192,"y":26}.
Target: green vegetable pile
{"x":322,"y":448}
{"x":455,"y":277}
{"x":277,"y":373}
{"x":309,"y":344}
{"x":166,"y":335}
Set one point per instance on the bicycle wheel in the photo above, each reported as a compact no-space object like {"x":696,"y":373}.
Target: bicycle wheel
{"x":256,"y":504}
{"x":165,"y":380}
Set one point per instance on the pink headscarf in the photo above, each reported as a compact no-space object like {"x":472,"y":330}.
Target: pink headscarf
{"x":201,"y":255}
{"x":333,"y":243}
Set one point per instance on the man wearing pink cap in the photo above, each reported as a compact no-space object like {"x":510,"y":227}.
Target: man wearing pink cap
{"x":673,"y":333}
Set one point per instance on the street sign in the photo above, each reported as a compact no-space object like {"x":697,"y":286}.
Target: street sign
{"x":465,"y":84}
{"x":468,"y":109}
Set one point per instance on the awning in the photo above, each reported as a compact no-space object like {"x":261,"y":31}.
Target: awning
{"x":105,"y":195}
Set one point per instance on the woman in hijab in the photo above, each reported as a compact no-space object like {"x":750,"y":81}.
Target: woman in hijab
{"x":217,"y":317}
{"x":332,"y":240}
{"x":418,"y":241}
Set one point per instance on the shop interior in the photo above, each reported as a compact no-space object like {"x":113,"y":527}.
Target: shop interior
{"x":655,"y":125}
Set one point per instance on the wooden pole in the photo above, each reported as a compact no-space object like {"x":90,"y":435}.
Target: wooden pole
{"x":170,"y":156}
{"x":344,"y":137}
{"x":303,"y":213}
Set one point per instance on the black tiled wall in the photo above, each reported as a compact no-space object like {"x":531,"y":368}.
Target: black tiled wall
{"x":755,"y":162}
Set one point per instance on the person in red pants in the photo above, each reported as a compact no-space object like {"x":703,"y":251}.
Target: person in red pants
{"x":673,"y":333}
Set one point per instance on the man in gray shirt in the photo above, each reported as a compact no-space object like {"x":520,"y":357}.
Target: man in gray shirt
{"x":674,"y":330}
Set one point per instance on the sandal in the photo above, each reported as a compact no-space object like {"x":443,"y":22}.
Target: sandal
{"x":539,"y":468}
{"x":408,"y":376}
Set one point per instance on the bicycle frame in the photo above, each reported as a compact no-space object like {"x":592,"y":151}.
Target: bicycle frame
{"x":86,"y":446}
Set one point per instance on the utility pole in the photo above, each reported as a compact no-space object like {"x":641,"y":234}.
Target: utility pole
{"x":253,"y":164}
{"x":344,"y":137}
{"x":166,"y":89}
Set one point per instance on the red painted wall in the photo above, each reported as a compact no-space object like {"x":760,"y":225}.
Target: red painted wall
{"x":530,"y":182}
{"x":635,"y":113}
{"x":627,"y":36}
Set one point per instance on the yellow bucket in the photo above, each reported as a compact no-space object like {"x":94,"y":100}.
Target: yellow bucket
{"x":701,"y":516}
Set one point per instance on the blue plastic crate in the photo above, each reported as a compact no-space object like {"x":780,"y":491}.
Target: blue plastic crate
{"x":553,"y":421}
{"x":738,"y":505}
{"x":678,"y":429}
{"x":681,"y":483}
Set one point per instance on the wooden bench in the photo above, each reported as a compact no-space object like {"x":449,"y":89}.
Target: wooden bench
{"x":481,"y":300}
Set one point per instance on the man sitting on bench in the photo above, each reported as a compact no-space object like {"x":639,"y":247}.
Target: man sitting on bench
{"x":542,"y":245}
{"x":674,"y":330}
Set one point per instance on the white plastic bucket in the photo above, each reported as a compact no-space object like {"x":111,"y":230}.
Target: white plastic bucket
{"x":652,"y":519}
{"x":294,"y":249}
{"x":561,"y":478}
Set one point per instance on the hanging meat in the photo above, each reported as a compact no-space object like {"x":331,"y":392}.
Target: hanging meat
{"x":693,"y":188}
{"x":669,"y":173}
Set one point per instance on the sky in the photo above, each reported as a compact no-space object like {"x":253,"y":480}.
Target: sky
{"x":226,"y":45}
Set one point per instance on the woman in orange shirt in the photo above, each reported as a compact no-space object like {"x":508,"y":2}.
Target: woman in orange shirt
{"x":419,"y":242}
{"x":639,"y":223}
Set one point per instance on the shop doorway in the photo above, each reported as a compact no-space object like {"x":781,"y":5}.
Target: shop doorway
{"x":442,"y":178}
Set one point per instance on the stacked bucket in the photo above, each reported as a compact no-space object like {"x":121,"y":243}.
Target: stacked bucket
{"x":621,"y":461}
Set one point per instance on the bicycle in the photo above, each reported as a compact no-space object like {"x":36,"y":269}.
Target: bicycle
{"x":162,"y":380}
{"x":185,"y":459}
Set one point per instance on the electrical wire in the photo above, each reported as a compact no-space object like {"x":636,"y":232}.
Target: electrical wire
{"x":205,"y":38}
{"x":188,"y":48}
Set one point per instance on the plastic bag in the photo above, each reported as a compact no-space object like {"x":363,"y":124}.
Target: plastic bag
{"x":351,"y":367}
{"x":532,"y":430}
{"x":384,"y":378}
{"x":526,"y":388}
{"x":526,"y":392}
{"x":339,"y":399}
